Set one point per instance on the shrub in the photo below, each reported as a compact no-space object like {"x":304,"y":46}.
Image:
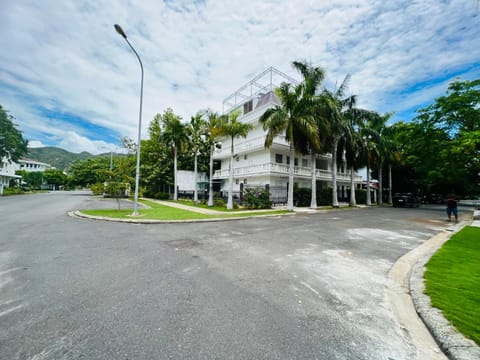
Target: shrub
{"x":161,"y":196}
{"x":12,"y":191}
{"x":302,"y":196}
{"x":219,"y":203}
{"x":116,"y":189}
{"x":257,"y":198}
{"x":324,"y":196}
{"x":97,"y":189}
{"x":361,"y":196}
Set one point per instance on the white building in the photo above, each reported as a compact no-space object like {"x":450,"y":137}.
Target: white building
{"x":30,"y":165}
{"x":7,"y":173}
{"x":255,"y":165}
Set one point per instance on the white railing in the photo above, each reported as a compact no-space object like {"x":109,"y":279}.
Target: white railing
{"x":245,"y":145}
{"x":260,"y":169}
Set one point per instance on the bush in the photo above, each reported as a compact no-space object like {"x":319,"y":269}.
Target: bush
{"x":361,"y":196}
{"x":219,"y":203}
{"x":324,"y":196}
{"x":257,"y":198}
{"x":97,"y":189}
{"x":161,"y":196}
{"x":12,"y":191}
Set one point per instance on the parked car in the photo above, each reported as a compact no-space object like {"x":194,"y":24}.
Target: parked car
{"x":405,"y":200}
{"x":435,"y":199}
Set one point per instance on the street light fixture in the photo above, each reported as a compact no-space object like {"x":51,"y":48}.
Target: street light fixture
{"x":137,"y":171}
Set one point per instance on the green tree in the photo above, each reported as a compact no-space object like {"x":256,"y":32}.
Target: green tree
{"x":336,"y":106}
{"x":312,"y":79}
{"x":233,"y":129}
{"x":213,"y":132}
{"x":174,"y":135}
{"x":54,"y":177}
{"x":196,"y":131}
{"x":12,"y":144}
{"x":293,"y":118}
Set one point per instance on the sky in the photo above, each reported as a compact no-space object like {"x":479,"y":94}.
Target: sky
{"x":71,"y":81}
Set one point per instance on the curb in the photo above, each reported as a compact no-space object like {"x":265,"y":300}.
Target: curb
{"x":454,"y":344}
{"x":78,"y":214}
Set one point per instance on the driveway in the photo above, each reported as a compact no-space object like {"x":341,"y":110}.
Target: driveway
{"x":308,"y":286}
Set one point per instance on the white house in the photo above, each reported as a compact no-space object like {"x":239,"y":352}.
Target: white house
{"x":7,"y":173}
{"x":30,"y":165}
{"x":256,"y":165}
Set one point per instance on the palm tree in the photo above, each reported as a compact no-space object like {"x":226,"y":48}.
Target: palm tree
{"x":233,"y":128}
{"x":295,"y":119}
{"x":196,"y":129}
{"x":174,"y":134}
{"x":312,"y":78}
{"x":213,"y":131}
{"x":336,"y":106}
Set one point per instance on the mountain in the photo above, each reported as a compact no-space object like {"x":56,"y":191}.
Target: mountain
{"x":57,"y":157}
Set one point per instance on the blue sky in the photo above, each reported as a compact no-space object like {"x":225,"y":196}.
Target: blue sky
{"x":72,"y":82}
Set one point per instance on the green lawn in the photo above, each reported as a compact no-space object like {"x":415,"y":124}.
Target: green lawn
{"x":162,"y":212}
{"x":453,"y":281}
{"x":205,"y":206}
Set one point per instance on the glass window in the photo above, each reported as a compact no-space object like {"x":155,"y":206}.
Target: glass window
{"x":278,"y":158}
{"x":295,"y":162}
{"x":305,"y":162}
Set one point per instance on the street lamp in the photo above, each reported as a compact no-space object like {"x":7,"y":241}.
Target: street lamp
{"x":137,"y":171}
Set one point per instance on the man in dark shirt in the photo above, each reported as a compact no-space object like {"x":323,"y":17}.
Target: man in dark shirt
{"x":452,"y":202}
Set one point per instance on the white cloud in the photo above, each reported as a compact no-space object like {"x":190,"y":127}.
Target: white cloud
{"x":66,"y":57}
{"x":35,"y":144}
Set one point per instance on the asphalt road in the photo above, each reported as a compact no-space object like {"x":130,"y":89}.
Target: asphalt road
{"x":308,"y":286}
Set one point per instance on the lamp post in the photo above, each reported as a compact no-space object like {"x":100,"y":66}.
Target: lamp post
{"x":137,"y":171}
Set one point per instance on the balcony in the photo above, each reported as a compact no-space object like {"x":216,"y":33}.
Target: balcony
{"x":281,"y":169}
{"x":247,"y":145}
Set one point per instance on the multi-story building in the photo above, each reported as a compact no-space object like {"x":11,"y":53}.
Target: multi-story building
{"x":7,"y":173}
{"x":30,"y":165}
{"x":256,"y":165}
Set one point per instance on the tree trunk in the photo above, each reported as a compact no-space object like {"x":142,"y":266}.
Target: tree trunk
{"x":380,"y":185}
{"x":313,"y":202}
{"x":353,"y":200}
{"x":175,"y":192}
{"x":334,"y":174}
{"x":195,"y":192}
{"x":210,"y":182}
{"x":230,"y":181}
{"x":390,"y":198}
{"x":369,"y":200}
{"x":290,"y":177}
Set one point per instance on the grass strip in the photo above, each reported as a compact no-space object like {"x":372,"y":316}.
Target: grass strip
{"x":453,"y":281}
{"x":163,"y":212}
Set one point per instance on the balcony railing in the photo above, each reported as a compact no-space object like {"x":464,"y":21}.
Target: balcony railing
{"x":250,"y":144}
{"x":265,"y":168}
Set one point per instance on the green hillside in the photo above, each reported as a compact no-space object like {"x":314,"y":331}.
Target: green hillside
{"x":57,"y":157}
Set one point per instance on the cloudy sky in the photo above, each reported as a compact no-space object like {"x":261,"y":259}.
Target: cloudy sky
{"x":71,"y":81}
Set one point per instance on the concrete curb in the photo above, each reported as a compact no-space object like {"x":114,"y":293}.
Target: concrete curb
{"x":79,"y":214}
{"x":454,"y":344}
{"x":476,"y":215}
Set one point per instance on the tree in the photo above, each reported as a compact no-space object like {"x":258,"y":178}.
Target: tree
{"x":295,"y":119}
{"x":174,"y":135}
{"x":336,"y":105}
{"x":213,"y":131}
{"x":233,"y":129}
{"x":312,"y":79}
{"x":54,"y":177}
{"x":196,"y":130}
{"x":12,"y":144}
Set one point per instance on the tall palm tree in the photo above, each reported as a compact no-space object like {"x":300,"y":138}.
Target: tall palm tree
{"x":384,"y":149}
{"x":174,"y":134}
{"x":213,"y":131}
{"x":312,"y":79}
{"x":293,"y":118}
{"x":233,"y":128}
{"x":196,"y":129}
{"x":336,"y":106}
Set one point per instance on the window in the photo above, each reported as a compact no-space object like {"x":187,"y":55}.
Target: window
{"x":304,"y":162}
{"x":236,"y":181}
{"x":245,"y":157}
{"x":245,"y":181}
{"x":288,"y":160}
{"x":295,"y":162}
{"x":248,"y":106}
{"x":278,"y":158}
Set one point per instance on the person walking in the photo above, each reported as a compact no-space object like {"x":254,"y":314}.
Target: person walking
{"x":452,"y":207}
